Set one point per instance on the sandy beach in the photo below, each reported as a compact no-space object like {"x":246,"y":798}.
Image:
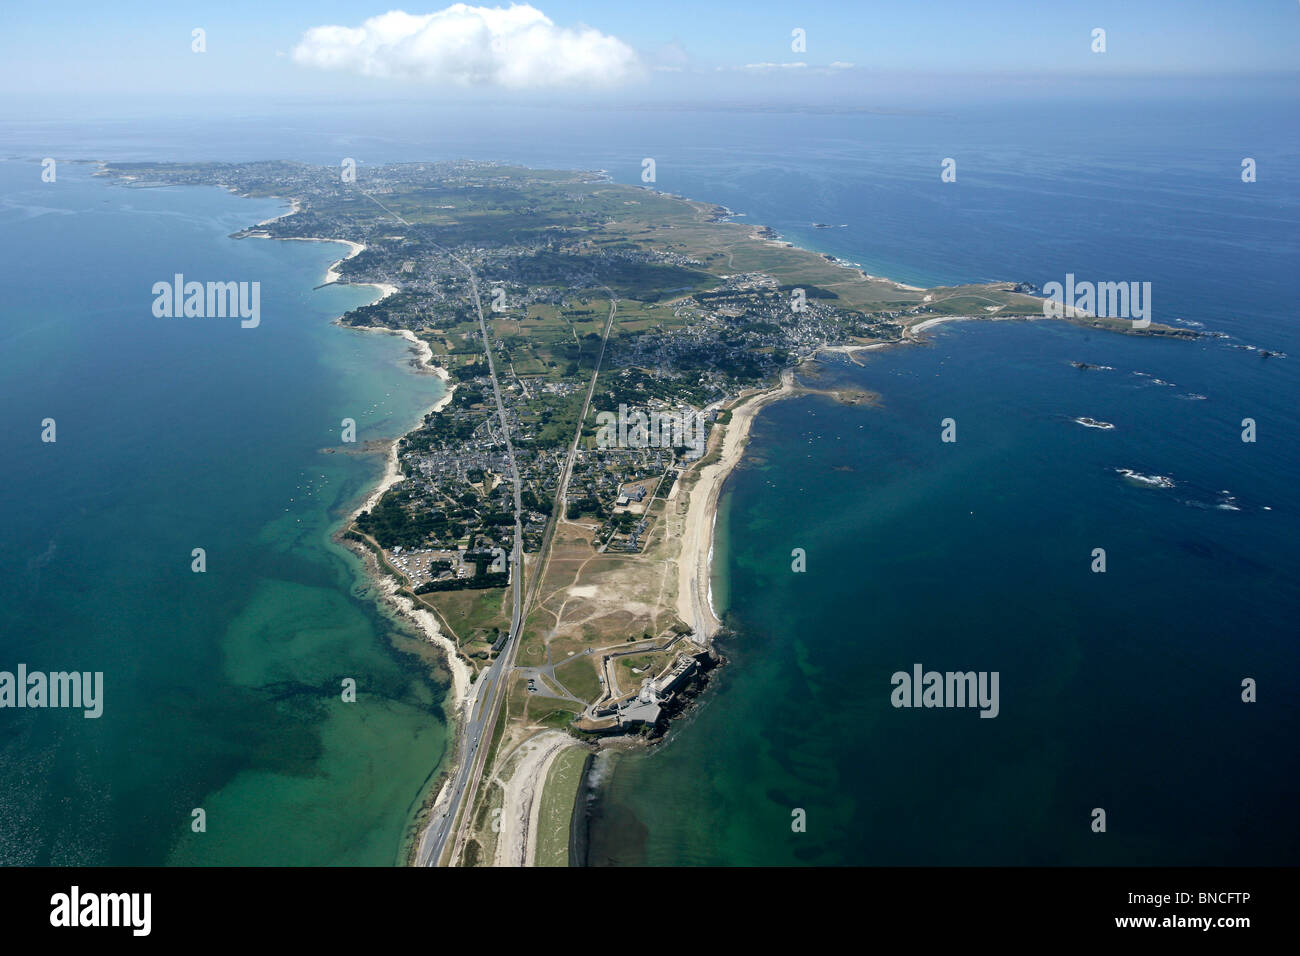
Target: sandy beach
{"x":524,"y":777}
{"x":694,"y":570}
{"x":912,"y":333}
{"x":392,"y":471}
{"x":694,"y":594}
{"x":332,"y":273}
{"x":354,"y":249}
{"x":522,"y":800}
{"x":914,"y":330}
{"x":294,"y":206}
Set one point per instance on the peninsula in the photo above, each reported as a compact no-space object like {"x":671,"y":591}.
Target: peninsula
{"x":606,"y":349}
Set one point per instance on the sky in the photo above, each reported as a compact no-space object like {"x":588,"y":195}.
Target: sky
{"x":638,"y":51}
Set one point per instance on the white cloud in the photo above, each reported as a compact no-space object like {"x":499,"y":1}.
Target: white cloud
{"x":774,"y":66}
{"x":841,"y":65}
{"x":515,"y":48}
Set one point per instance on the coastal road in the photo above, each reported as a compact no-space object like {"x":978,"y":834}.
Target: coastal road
{"x":484,"y":704}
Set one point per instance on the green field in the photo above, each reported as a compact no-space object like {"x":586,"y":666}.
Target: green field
{"x":578,"y":674}
{"x":556,"y":812}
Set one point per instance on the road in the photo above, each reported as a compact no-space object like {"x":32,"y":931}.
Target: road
{"x":482,"y":708}
{"x":481,"y":714}
{"x":484,"y":705}
{"x":562,"y":487}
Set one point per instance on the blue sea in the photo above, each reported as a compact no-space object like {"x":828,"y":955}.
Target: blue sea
{"x":1119,"y":691}
{"x":222,"y":689}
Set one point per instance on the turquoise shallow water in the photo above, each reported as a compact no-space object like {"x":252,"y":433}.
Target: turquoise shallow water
{"x":223,"y":689}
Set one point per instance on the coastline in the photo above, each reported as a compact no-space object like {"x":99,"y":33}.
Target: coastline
{"x":762,"y":233}
{"x":694,"y":590}
{"x":332,"y":276}
{"x":387,"y":589}
{"x":376,"y":583}
{"x":423,"y":364}
{"x":703,"y":488}
{"x":295,"y":206}
{"x":389,"y":592}
{"x":424,"y":353}
{"x":695,"y":570}
{"x":695,"y":567}
{"x":422,"y":617}
{"x":527,"y":782}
